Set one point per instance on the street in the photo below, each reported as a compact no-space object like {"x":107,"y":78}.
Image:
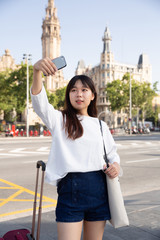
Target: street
{"x":140,"y":161}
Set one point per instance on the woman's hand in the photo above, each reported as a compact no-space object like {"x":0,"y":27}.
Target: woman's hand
{"x":113,"y":170}
{"x":46,"y":66}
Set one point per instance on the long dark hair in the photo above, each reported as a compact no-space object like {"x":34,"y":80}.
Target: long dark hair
{"x":71,"y":123}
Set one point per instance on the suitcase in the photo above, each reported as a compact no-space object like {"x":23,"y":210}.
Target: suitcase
{"x":25,"y":234}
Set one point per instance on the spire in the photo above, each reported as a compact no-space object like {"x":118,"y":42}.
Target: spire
{"x":107,"y":41}
{"x":51,"y":3}
{"x":51,"y":11}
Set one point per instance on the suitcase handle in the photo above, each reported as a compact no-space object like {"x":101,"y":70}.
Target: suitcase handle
{"x":41,"y":164}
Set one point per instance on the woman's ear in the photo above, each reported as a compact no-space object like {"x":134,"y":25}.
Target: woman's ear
{"x":92,"y":97}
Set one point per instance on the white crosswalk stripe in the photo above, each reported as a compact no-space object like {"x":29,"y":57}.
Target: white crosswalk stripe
{"x":43,"y":149}
{"x":17,"y":150}
{"x":21,"y":152}
{"x":137,"y":144}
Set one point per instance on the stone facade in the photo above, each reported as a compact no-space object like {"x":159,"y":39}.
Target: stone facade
{"x":7,"y":62}
{"x":51,"y":42}
{"x":108,"y":70}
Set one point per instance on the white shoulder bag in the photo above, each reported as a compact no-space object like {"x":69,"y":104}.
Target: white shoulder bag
{"x":119,"y":216}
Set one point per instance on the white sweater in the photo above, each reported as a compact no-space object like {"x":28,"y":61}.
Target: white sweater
{"x":81,"y":155}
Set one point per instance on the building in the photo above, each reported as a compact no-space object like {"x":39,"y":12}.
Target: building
{"x":108,"y":70}
{"x":156,"y":102}
{"x":7,"y":62}
{"x":51,"y":43}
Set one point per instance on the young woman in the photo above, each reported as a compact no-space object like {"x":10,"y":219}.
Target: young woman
{"x":76,"y":164}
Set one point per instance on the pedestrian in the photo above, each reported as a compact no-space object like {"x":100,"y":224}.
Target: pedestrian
{"x":76,"y":164}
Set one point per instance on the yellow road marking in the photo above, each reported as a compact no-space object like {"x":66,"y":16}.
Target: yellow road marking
{"x":26,"y":190}
{"x":20,"y":190}
{"x":11,"y":197}
{"x":25,"y":210}
{"x":22,"y":200}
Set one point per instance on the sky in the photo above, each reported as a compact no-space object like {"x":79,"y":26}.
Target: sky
{"x":134,"y":26}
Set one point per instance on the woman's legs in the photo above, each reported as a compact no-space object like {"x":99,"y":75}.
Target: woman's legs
{"x":69,"y":231}
{"x":93,"y":230}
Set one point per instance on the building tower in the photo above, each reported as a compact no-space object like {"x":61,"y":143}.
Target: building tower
{"x":51,"y":41}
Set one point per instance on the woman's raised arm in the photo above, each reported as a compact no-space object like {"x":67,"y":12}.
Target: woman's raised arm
{"x":47,"y":67}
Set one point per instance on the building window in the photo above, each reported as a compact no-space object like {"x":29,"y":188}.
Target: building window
{"x":107,"y":65}
{"x":103,"y":75}
{"x":118,"y":121}
{"x":103,"y":66}
{"x":56,"y":85}
{"x":49,"y":30}
{"x":107,"y":74}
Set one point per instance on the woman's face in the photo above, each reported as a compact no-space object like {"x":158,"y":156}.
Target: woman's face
{"x":80,"y":97}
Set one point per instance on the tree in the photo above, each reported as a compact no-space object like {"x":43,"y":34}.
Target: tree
{"x":20,"y":84}
{"x":13,"y":89}
{"x":7,"y":100}
{"x":52,"y":98}
{"x":118,"y":93}
{"x":57,"y":98}
{"x":60,"y":93}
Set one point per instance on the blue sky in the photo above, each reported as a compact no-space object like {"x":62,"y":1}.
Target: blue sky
{"x":134,"y":27}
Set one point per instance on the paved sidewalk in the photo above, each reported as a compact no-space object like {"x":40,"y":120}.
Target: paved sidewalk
{"x":143,"y":211}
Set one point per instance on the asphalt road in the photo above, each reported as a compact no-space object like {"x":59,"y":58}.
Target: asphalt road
{"x":140,"y":161}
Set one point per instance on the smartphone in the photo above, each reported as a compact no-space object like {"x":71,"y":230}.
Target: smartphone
{"x":60,"y":62}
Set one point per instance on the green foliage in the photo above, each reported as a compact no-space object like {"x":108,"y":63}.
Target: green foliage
{"x":57,"y":99}
{"x":13,"y":89}
{"x":118,"y":94}
{"x":52,"y":98}
{"x":155,"y":87}
{"x":13,"y":86}
{"x":7,"y":100}
{"x":60,"y":93}
{"x":19,"y":79}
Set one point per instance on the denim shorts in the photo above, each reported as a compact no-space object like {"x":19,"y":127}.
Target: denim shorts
{"x":83,"y":196}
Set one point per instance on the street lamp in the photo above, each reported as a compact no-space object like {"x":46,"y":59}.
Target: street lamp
{"x":130,"y":103}
{"x":27,"y":57}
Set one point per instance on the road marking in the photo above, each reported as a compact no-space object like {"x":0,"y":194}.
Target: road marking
{"x":139,"y":151}
{"x":144,"y":160}
{"x":19,"y":190}
{"x":143,"y":209}
{"x":17,"y":150}
{"x":148,"y":143}
{"x":43,"y":149}
{"x":10,"y":198}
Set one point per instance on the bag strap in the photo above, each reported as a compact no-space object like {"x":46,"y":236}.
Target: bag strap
{"x":105,"y":154}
